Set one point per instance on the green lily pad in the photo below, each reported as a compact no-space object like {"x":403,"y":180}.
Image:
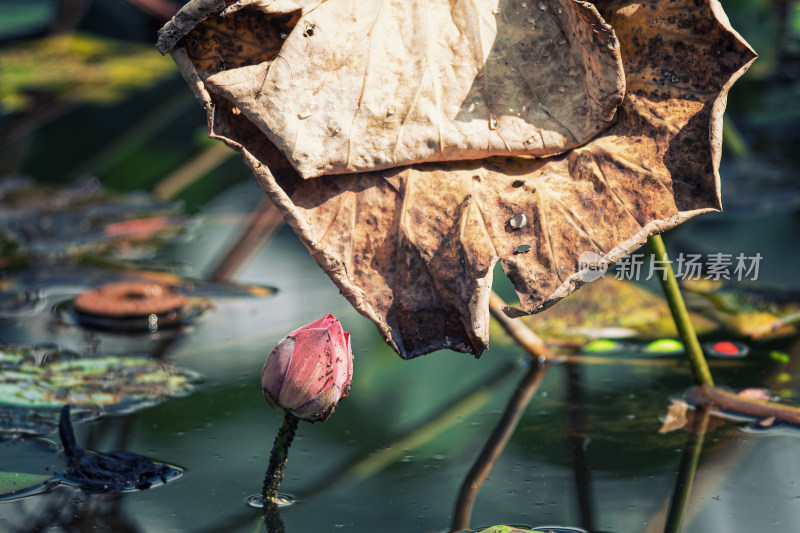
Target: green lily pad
{"x":98,"y":384}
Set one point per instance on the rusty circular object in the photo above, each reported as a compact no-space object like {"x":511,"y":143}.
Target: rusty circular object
{"x":130,"y":299}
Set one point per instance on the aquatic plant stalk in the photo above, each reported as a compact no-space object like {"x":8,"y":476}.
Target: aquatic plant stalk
{"x":521,"y":333}
{"x":278,"y":458}
{"x":495,"y":445}
{"x":702,"y":375}
{"x":686,"y":474}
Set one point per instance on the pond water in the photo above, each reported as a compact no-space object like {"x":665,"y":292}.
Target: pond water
{"x":585,"y":454}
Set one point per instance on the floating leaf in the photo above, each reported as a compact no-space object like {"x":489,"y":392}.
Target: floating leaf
{"x":413,"y":248}
{"x":29,"y":386}
{"x":749,"y":309}
{"x":601,"y":309}
{"x":50,"y":223}
{"x":81,"y":67}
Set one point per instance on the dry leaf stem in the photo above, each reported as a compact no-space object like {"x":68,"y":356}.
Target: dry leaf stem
{"x":521,"y":333}
{"x":702,"y":375}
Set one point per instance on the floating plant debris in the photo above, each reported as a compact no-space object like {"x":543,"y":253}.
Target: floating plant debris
{"x":726,"y":349}
{"x":31,"y":387}
{"x":602,"y":346}
{"x":127,"y":305}
{"x":664,"y":347}
{"x":754,"y":405}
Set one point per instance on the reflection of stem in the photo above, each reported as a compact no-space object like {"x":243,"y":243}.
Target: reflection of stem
{"x":263,"y":222}
{"x":194,"y":169}
{"x":686,"y":473}
{"x":272,"y":518}
{"x":524,"y":336}
{"x":277,"y":460}
{"x":495,"y":445}
{"x":721,"y":465}
{"x":576,"y":423}
{"x":702,"y":375}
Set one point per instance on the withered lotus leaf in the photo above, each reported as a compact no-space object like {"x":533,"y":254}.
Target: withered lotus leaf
{"x":413,"y":247}
{"x":361,"y":86}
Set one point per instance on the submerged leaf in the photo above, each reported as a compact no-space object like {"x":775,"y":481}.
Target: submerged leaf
{"x":413,"y":248}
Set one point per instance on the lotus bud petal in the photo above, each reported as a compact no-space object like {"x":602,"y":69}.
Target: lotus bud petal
{"x":309,"y":370}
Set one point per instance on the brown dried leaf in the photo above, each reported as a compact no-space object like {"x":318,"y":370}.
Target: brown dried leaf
{"x":369,"y":85}
{"x":413,"y":248}
{"x":676,"y":417}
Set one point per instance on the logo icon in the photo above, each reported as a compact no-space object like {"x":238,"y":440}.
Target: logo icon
{"x":592,"y":266}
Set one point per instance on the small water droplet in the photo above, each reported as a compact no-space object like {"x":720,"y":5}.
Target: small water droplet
{"x":492,"y":122}
{"x":541,"y":6}
{"x":496,"y":11}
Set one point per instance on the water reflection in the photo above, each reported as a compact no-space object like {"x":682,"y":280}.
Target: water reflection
{"x":495,"y":445}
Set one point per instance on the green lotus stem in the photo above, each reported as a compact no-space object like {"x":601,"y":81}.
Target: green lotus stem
{"x":702,"y":375}
{"x":686,"y":474}
{"x":277,"y":460}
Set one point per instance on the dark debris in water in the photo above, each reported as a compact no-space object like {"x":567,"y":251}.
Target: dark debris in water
{"x":34,"y":466}
{"x":108,"y":472}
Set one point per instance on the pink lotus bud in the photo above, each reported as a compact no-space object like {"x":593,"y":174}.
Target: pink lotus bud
{"x":310,"y":370}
